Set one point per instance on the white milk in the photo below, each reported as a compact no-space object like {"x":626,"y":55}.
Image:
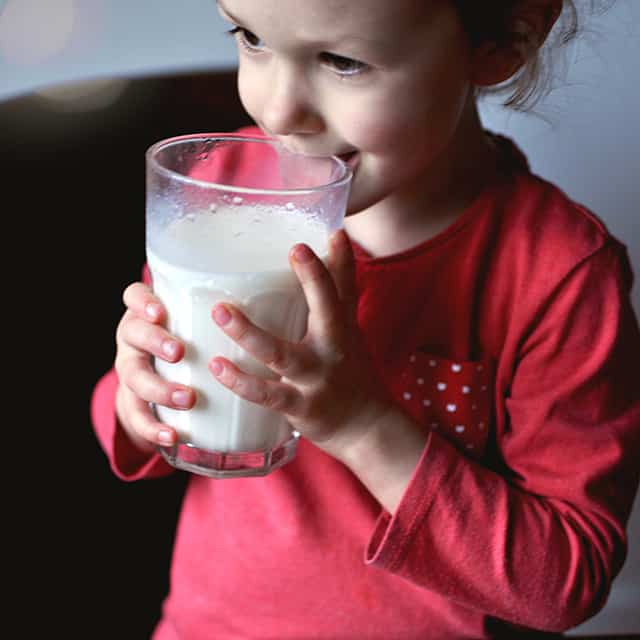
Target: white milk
{"x":238,"y":255}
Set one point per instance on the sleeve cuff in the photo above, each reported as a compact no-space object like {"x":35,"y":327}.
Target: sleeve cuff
{"x":393,"y":534}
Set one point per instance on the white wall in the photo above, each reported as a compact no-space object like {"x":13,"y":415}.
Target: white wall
{"x":586,"y":138}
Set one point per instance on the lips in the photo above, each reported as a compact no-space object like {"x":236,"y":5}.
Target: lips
{"x":351,"y":158}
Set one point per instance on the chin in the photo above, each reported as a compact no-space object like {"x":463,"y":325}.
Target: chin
{"x":357,"y":205}
{"x":360,"y":201}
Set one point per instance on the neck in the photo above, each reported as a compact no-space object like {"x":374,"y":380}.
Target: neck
{"x":432,"y":202}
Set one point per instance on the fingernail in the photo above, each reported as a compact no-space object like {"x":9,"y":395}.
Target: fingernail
{"x":302,"y":253}
{"x":221,"y":315}
{"x":181,"y":398}
{"x":165,"y":436}
{"x":216,"y":368}
{"x":170,"y":348}
{"x":153,"y":310}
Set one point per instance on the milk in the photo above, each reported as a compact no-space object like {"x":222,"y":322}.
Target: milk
{"x":236,"y":254}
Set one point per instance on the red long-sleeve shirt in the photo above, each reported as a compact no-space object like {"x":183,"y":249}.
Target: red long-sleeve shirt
{"x":511,"y":339}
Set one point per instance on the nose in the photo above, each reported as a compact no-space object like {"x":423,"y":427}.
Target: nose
{"x":288,"y":104}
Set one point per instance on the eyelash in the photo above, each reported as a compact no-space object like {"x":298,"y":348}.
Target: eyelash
{"x":341,"y":65}
{"x":241,"y":36}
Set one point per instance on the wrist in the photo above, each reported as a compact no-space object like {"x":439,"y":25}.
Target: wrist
{"x":383,"y":452}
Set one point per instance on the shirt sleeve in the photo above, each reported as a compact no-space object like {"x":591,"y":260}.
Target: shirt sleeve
{"x":126,"y":461}
{"x":537,"y":539}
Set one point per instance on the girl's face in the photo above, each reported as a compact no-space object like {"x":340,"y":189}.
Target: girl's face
{"x":385,"y":84}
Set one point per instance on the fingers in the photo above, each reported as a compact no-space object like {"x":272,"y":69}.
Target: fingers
{"x":140,"y":422}
{"x":323,"y":290}
{"x":271,"y":394}
{"x":342,"y":267}
{"x":138,"y":339}
{"x":139,"y":386}
{"x":138,"y":376}
{"x":282,"y":357}
{"x":147,"y":337}
{"x":139,"y":299}
{"x":140,"y":336}
{"x":325,"y":313}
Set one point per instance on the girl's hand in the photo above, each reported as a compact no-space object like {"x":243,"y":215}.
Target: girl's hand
{"x":139,"y":337}
{"x":327,"y":389}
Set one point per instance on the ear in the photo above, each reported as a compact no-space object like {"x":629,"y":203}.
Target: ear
{"x":528,"y":27}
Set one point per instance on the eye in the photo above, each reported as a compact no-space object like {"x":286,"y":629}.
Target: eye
{"x":343,"y":66}
{"x":247,"y":39}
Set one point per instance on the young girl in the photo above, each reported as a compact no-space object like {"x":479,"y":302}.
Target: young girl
{"x":469,"y":418}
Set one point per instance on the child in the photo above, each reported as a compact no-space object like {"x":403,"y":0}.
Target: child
{"x":469,"y":418}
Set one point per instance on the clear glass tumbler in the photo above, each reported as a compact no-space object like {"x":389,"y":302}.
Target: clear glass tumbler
{"x":222,"y":213}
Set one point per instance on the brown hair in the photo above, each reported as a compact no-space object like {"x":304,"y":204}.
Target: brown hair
{"x":490,"y":20}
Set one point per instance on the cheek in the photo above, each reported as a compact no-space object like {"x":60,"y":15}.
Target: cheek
{"x":415,"y":118}
{"x":401,"y":116}
{"x":250,"y":92}
{"x":371,"y":126}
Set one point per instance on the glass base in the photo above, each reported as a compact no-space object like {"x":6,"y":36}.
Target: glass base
{"x":230,"y":464}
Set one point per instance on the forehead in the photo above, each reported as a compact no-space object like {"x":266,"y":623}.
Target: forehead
{"x":307,"y":19}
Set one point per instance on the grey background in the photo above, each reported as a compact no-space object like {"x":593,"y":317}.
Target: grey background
{"x":585,"y":136}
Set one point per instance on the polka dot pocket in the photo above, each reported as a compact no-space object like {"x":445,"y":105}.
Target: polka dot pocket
{"x":451,"y":398}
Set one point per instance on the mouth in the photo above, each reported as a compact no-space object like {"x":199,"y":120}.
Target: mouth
{"x":350,"y":159}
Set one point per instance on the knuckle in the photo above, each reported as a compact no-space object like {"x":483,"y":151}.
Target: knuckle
{"x":126,"y":368}
{"x":125,"y":328}
{"x":137,"y":297}
{"x":126,"y":293}
{"x":117,"y":365}
{"x":130,"y":292}
{"x":319,"y":275}
{"x":146,"y":428}
{"x":123,"y":366}
{"x":274,"y":400}
{"x":123,"y":322}
{"x":241,"y":331}
{"x":153,"y":389}
{"x":121,"y":328}
{"x":278,"y":359}
{"x":143,"y":383}
{"x":237,"y":385}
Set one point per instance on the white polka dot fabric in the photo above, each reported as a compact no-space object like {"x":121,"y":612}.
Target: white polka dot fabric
{"x":449,"y":397}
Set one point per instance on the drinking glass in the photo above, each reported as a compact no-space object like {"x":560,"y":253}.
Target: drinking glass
{"x":222,"y":213}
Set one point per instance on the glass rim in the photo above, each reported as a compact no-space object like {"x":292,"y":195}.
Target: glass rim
{"x":153,"y":163}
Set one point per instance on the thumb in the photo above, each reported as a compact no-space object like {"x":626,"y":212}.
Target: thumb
{"x":342,"y":266}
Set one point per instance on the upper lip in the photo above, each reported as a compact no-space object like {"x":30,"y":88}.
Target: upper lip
{"x":321,"y":153}
{"x":316,"y":152}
